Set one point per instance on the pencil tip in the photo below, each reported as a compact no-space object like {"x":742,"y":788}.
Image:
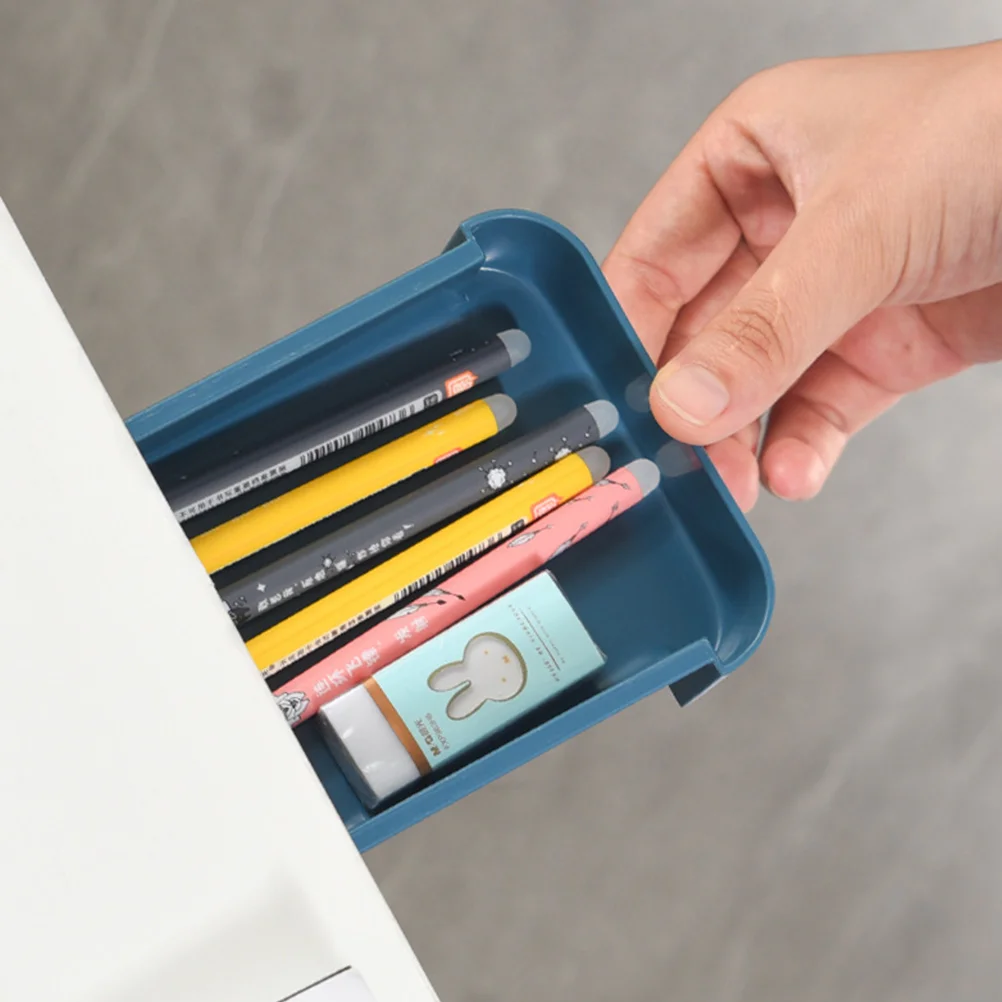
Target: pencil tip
{"x":605,"y":415}
{"x":646,"y":474}
{"x":597,"y":460}
{"x":517,"y":344}
{"x":504,"y":409}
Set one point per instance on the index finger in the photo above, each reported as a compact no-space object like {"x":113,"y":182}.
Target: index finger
{"x":681,"y":235}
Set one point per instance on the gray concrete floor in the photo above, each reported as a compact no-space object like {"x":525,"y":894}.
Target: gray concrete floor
{"x":197,"y":179}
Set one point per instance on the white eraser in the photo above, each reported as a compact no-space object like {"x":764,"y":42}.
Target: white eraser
{"x":362,"y":739}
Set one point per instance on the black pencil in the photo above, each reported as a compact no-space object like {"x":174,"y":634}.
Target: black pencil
{"x":253,"y":469}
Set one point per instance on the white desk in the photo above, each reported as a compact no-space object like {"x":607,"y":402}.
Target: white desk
{"x":161,"y":835}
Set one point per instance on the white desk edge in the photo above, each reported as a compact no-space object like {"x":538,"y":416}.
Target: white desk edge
{"x":163,"y":836}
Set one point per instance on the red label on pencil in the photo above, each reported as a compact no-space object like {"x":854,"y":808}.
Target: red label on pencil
{"x":446,"y":455}
{"x":465,"y":591}
{"x":545,"y":506}
{"x":460,"y":383}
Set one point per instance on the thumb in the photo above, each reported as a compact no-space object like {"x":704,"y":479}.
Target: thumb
{"x":835,"y":265}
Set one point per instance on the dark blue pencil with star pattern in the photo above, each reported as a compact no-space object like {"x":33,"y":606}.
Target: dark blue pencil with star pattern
{"x":387,"y":528}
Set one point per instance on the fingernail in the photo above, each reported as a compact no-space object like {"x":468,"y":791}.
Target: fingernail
{"x":694,"y":393}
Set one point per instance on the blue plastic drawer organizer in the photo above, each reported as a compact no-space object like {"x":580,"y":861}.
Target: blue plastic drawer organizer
{"x":677,"y":591}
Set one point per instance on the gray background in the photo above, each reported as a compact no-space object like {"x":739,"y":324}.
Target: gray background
{"x":197,"y":179}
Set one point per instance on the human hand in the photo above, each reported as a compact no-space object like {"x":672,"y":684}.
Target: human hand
{"x":828,"y":241}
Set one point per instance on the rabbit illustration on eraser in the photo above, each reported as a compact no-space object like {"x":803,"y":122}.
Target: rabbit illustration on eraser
{"x":492,"y":670}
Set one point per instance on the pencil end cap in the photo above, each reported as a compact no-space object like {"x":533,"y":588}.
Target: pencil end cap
{"x":646,"y":474}
{"x":504,"y":409}
{"x":605,"y":416}
{"x":517,"y":344}
{"x":597,"y":460}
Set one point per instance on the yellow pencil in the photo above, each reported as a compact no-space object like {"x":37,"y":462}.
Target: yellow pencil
{"x":353,"y":482}
{"x":410,"y":571}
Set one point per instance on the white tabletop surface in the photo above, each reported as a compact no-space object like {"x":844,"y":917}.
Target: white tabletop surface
{"x":161,"y":835}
